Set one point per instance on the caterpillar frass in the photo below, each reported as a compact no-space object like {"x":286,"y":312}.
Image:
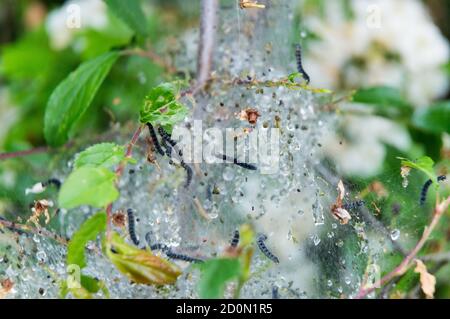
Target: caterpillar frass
{"x":262,"y":246}
{"x":298,"y":57}
{"x":52,"y":181}
{"x":176,"y":256}
{"x":155,"y":139}
{"x":235,"y":240}
{"x":131,"y":227}
{"x":353,"y":205}
{"x":426,"y":186}
{"x":235,"y":161}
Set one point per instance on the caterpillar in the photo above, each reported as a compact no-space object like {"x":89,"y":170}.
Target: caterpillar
{"x":262,"y":246}
{"x":166,"y":136}
{"x":159,"y":246}
{"x":155,"y":139}
{"x":353,"y":205}
{"x":176,"y":256}
{"x":189,"y":174}
{"x":170,"y":253}
{"x":131,"y":227}
{"x":275,"y":294}
{"x":243,"y":165}
{"x":52,"y":181}
{"x":426,"y":186}
{"x":172,"y":145}
{"x":235,"y":240}
{"x":298,"y":57}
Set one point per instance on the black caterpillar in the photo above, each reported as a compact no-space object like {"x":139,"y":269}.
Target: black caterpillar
{"x":131,"y":226}
{"x":275,"y":294}
{"x":298,"y":57}
{"x":262,"y":246}
{"x":353,"y":205}
{"x":52,"y":181}
{"x":155,"y":139}
{"x":235,"y":240}
{"x":169,"y":144}
{"x":171,"y":254}
{"x":176,"y":256}
{"x":235,"y":161}
{"x":166,"y":136}
{"x":426,"y":186}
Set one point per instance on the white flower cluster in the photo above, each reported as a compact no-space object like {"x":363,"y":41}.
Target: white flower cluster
{"x":382,"y":42}
{"x":63,"y":23}
{"x":385,"y":42}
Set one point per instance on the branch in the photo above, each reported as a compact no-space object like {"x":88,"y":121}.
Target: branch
{"x":439,"y":210}
{"x":38,"y":231}
{"x":32,"y":151}
{"x":208,"y":31}
{"x":119,"y":171}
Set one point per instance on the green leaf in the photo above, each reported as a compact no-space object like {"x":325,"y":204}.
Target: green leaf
{"x":88,"y":231}
{"x":100,"y":155}
{"x":161,"y":106}
{"x":140,"y":266}
{"x":386,"y":100}
{"x":435,"y":119}
{"x":88,"y":186}
{"x":73,"y":96}
{"x":131,"y":13}
{"x":216,"y":273}
{"x":424,"y":164}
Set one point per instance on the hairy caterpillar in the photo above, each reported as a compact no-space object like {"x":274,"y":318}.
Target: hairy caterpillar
{"x":235,"y":240}
{"x":155,"y":139}
{"x":353,"y":205}
{"x":426,"y":186}
{"x":52,"y":181}
{"x":235,"y":161}
{"x":262,"y":246}
{"x":298,"y":57}
{"x":176,"y":256}
{"x":131,"y":227}
{"x":170,"y":253}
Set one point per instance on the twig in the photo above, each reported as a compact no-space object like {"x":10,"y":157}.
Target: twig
{"x":208,"y":30}
{"x":439,"y":210}
{"x":32,"y":151}
{"x":40,"y":232}
{"x":119,"y":172}
{"x":129,"y":150}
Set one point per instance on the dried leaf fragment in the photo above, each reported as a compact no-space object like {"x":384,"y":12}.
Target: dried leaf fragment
{"x":40,"y":207}
{"x":337,"y":210}
{"x":248,"y":4}
{"x":427,"y":280}
{"x":6,"y":287}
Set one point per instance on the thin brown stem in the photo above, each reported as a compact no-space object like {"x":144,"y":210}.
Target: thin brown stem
{"x":38,"y":231}
{"x":439,"y":210}
{"x":33,"y":151}
{"x":208,"y":31}
{"x":119,"y":171}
